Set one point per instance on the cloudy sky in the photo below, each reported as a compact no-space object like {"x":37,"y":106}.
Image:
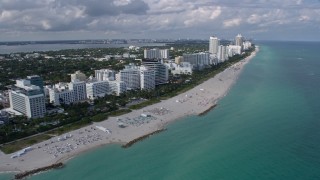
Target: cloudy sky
{"x":107,"y":19}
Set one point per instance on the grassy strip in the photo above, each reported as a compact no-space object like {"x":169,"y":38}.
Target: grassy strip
{"x":144,"y":104}
{"x":20,"y":144}
{"x":120,"y":112}
{"x":69,"y":127}
{"x":100,"y":117}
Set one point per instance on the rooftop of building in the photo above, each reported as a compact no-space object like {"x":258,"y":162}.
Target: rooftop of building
{"x":151,"y":60}
{"x":27,"y":90}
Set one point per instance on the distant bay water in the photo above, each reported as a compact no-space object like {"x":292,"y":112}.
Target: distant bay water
{"x":4,"y":49}
{"x":267,"y":127}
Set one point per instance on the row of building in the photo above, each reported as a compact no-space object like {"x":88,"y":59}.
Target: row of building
{"x":222,"y":52}
{"x":28,"y":96}
{"x":106,"y":82}
{"x":217,"y":54}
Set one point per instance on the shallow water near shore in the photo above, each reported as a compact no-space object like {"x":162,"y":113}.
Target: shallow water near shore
{"x":267,"y":127}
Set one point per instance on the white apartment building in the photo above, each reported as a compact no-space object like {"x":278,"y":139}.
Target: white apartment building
{"x":147,"y":78}
{"x":198,"y":60}
{"x":233,"y":50}
{"x":239,"y":41}
{"x":63,"y":93}
{"x":79,"y":90}
{"x":156,"y":53}
{"x":213,"y":59}
{"x":222,"y":54}
{"x":161,"y":70}
{"x":117,"y":87}
{"x":214,"y":43}
{"x":105,"y":75}
{"x":97,"y":89}
{"x":247,"y":45}
{"x":130,"y":75}
{"x":27,"y":99}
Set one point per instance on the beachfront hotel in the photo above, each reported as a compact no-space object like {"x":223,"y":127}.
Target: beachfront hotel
{"x":233,"y":50}
{"x":214,"y":43}
{"x":63,"y":93}
{"x":117,"y":87}
{"x":197,"y":60}
{"x":130,"y":75}
{"x":222,"y":54}
{"x":138,"y":77}
{"x":239,"y":41}
{"x":27,"y":99}
{"x":79,"y":89}
{"x":96,"y":89}
{"x":161,"y":70}
{"x":147,"y":78}
{"x":247,"y":45}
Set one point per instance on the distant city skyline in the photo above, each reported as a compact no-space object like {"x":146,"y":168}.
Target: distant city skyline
{"x":97,"y":19}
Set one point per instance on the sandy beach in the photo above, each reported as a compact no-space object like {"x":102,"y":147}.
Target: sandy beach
{"x":136,"y":124}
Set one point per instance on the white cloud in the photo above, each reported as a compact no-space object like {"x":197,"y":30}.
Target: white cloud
{"x":304,"y":18}
{"x":6,"y":15}
{"x":254,"y":19}
{"x":121,"y":2}
{"x":202,"y":15}
{"x":298,"y":2}
{"x":154,"y":17}
{"x":46,"y":25}
{"x":108,"y":33}
{"x":232,"y":22}
{"x":216,"y":13}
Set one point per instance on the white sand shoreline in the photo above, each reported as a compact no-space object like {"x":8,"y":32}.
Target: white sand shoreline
{"x":193,"y":102}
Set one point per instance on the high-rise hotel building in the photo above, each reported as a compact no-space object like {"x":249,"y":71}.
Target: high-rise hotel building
{"x":161,"y":70}
{"x":130,"y":75}
{"x":239,"y":41}
{"x":214,"y":44}
{"x":222,"y":54}
{"x":197,"y":60}
{"x":79,"y":90}
{"x":63,"y":93}
{"x":147,"y":78}
{"x":96,"y":89}
{"x":27,"y":99}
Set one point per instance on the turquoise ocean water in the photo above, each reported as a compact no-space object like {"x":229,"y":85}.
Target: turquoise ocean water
{"x":267,"y":127}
